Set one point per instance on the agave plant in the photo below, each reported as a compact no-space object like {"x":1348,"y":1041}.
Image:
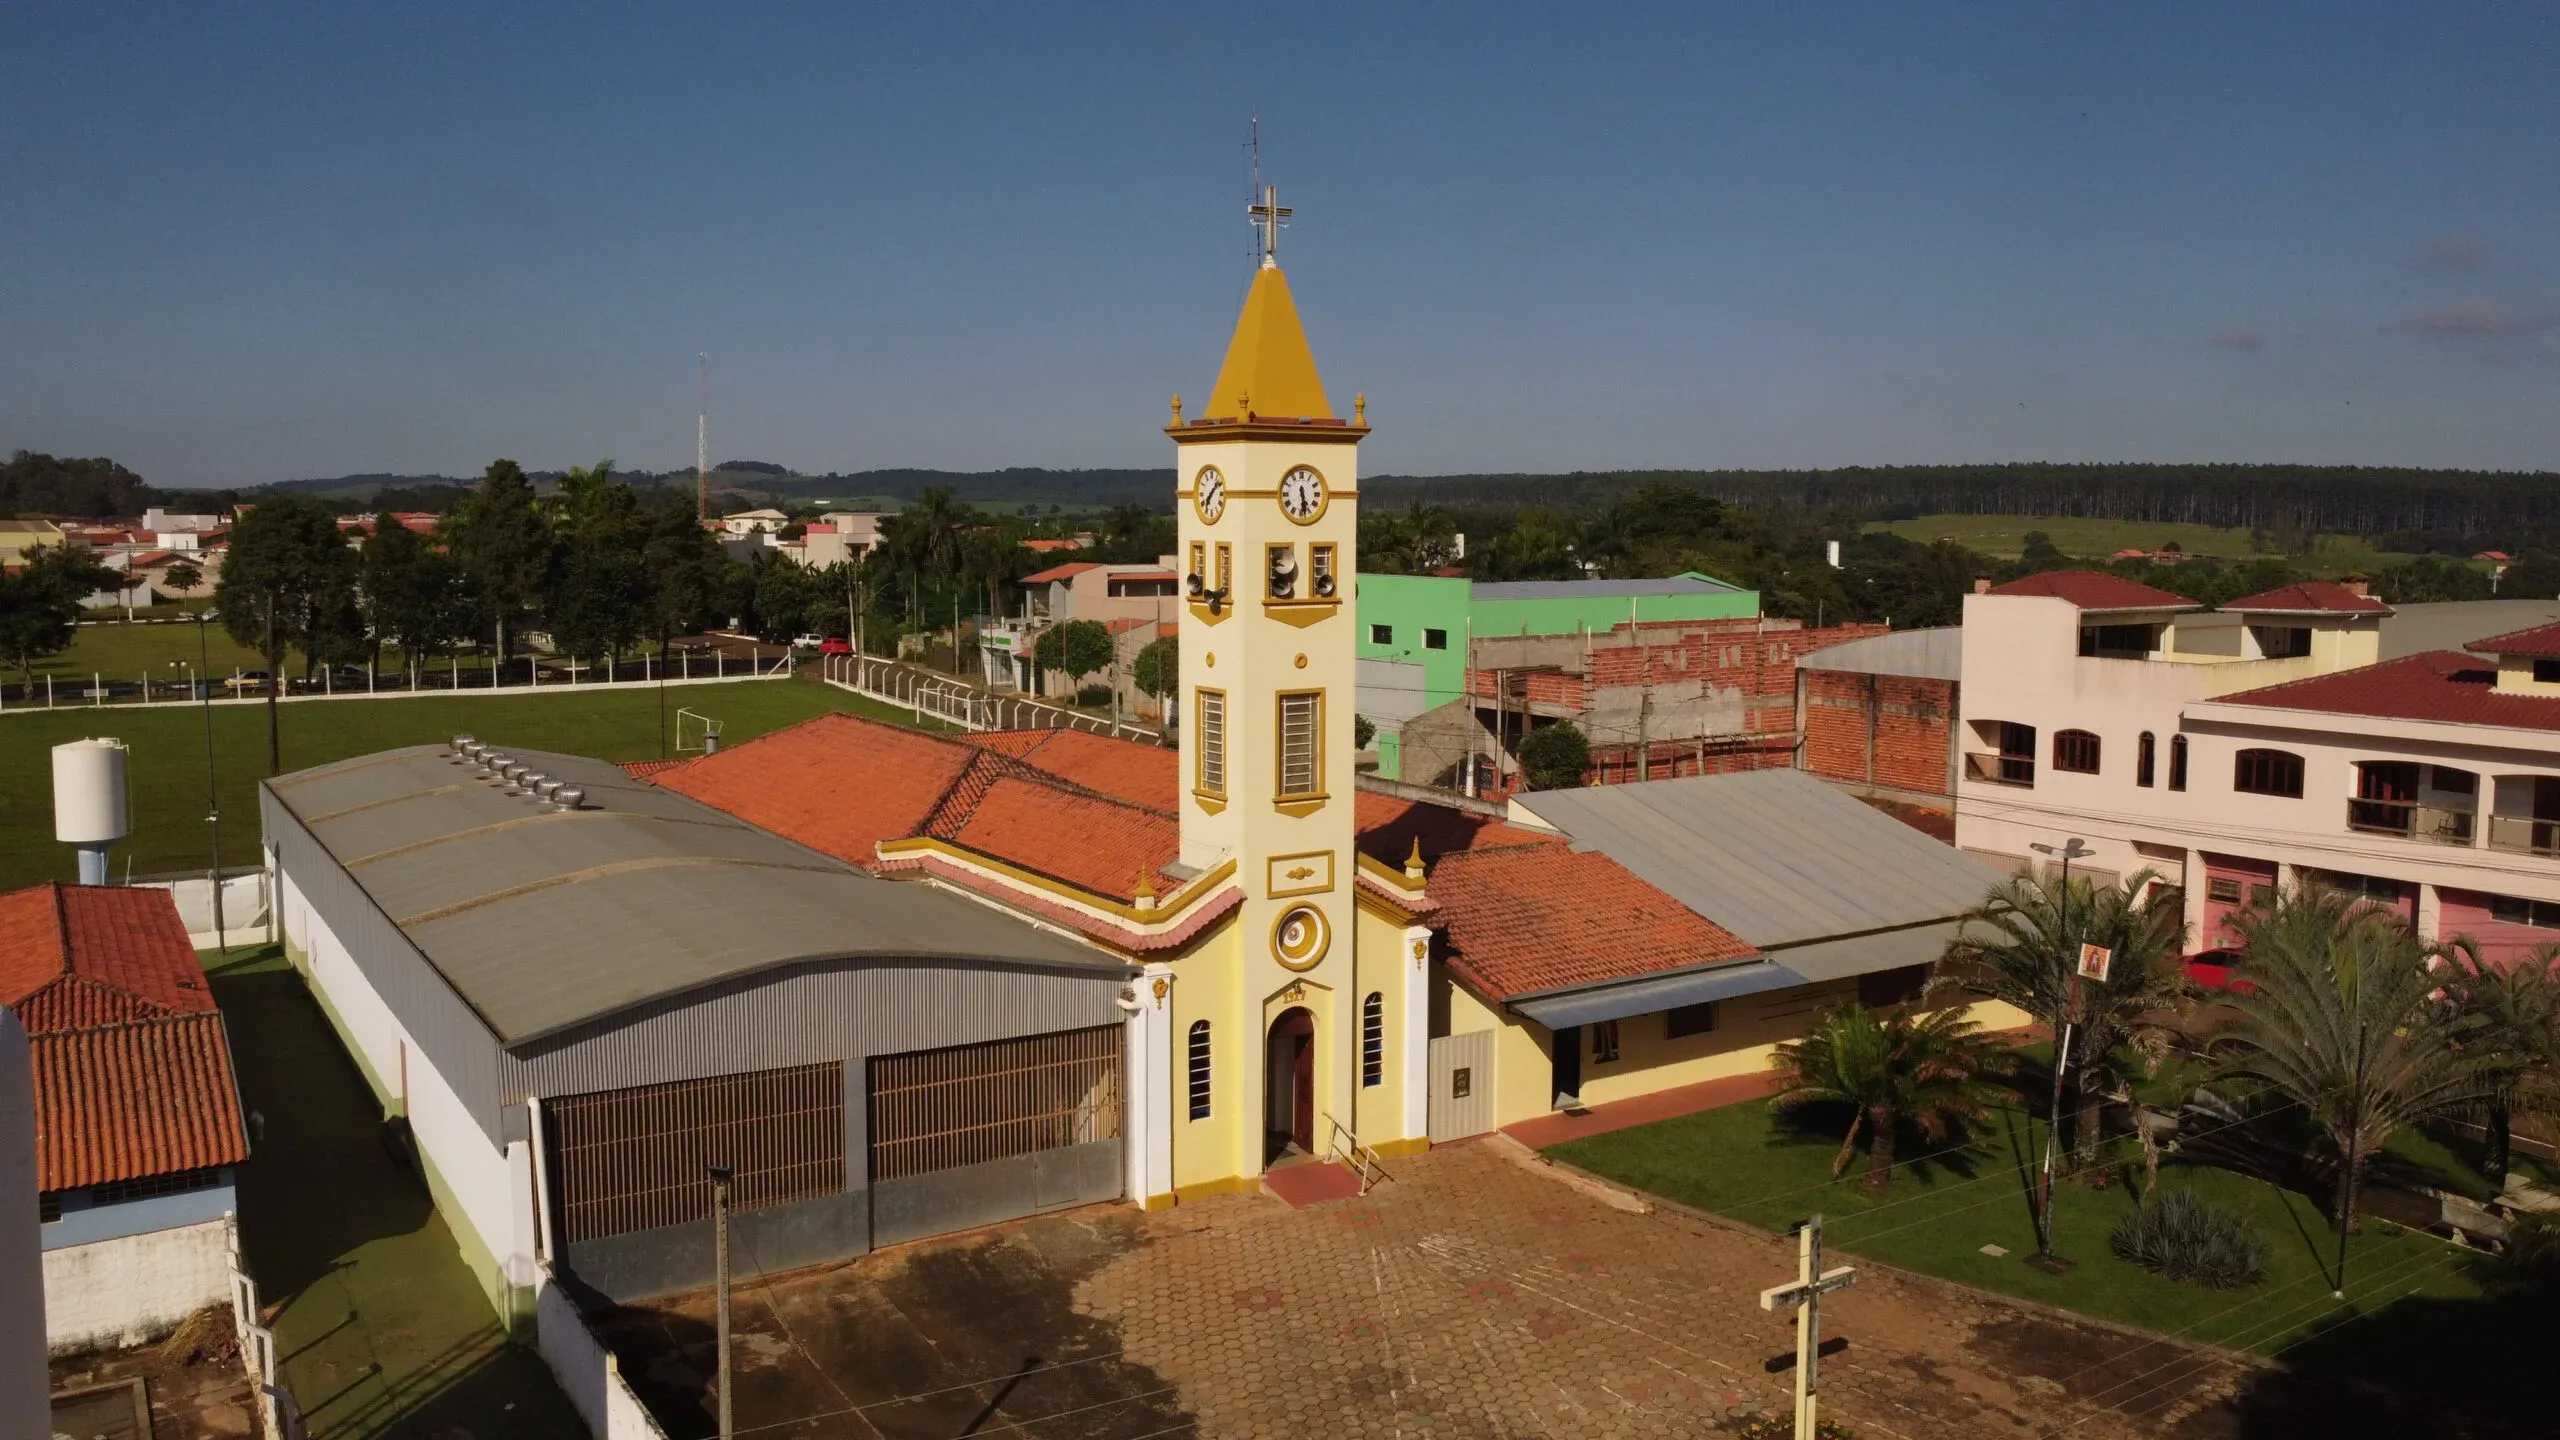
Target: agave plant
{"x":1895,"y":1069}
{"x":2186,"y":1237}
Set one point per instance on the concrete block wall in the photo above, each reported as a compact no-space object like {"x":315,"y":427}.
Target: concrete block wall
{"x":126,"y":1291}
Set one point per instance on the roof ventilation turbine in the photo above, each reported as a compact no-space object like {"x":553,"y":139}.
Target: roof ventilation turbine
{"x":569,"y":797}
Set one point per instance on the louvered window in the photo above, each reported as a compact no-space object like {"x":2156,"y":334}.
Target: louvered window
{"x":1373,"y":1039}
{"x":1199,"y":1069}
{"x":1209,"y":718}
{"x":1301,"y":743}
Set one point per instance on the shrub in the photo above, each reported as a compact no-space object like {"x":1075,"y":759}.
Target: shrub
{"x":1094,"y":696}
{"x":1783,"y":1427}
{"x":2188,"y":1238}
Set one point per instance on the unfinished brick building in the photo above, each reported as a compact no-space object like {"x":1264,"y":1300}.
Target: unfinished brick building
{"x":1878,"y":714}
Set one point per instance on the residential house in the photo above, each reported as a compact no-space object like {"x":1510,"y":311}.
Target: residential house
{"x":2266,"y":743}
{"x":1125,"y":596}
{"x":743,"y":523}
{"x":139,"y":1128}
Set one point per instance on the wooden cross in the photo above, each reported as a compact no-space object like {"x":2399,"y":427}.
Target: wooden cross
{"x":1268,"y":217}
{"x":1812,"y":1282}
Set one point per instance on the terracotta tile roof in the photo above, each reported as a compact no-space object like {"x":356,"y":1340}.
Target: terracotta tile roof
{"x":2091,"y":590}
{"x":80,"y":955}
{"x":1060,"y":572}
{"x":2439,"y":685}
{"x":837,"y":784}
{"x":1044,"y":546}
{"x":643,"y":769}
{"x":1526,"y":919}
{"x":119,"y":1102}
{"x":2538,"y":640}
{"x":1130,"y":770}
{"x":2310,"y":597}
{"x":1388,"y":826}
{"x":1096,"y":844}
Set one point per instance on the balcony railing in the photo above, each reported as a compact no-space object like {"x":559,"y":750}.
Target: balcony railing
{"x":1996,"y":769}
{"x":2411,"y":819}
{"x":2524,"y":834}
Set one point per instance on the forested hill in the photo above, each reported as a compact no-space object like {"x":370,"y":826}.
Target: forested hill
{"x":2339,"y":499}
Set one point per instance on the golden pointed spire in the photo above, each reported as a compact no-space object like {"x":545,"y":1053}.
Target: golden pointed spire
{"x":1269,"y":371}
{"x":1413,"y":862}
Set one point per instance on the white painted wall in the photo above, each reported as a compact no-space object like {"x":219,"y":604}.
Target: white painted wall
{"x":123,"y":1292}
{"x":2021,"y":663}
{"x":587,"y":1372}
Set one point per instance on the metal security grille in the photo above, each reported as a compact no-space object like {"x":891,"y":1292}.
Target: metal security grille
{"x":940,"y":1109}
{"x":1210,"y":718}
{"x":640,"y":1158}
{"x":1301,"y":719}
{"x":1373,"y":1039}
{"x":1199,"y":1069}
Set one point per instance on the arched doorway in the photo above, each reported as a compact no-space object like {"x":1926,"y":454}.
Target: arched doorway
{"x":1289,"y":1085}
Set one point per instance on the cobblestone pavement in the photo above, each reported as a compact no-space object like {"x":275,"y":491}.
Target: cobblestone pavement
{"x":1478,"y":1293}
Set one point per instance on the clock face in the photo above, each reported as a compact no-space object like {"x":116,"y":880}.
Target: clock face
{"x":1209,"y":495}
{"x":1302,"y":495}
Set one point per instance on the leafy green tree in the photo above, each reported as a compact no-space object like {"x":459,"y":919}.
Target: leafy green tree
{"x":412,"y":593}
{"x":503,"y":545}
{"x":1074,"y":648}
{"x":2021,"y":946}
{"x":1890,"y":1070}
{"x":2041,"y":554}
{"x":1555,"y":757}
{"x":288,"y":579}
{"x":597,"y":602}
{"x":2343,"y":1017}
{"x":2515,"y":1008}
{"x":1158,"y":668}
{"x":2534,"y":576}
{"x":40,"y":603}
{"x":923,"y":543}
{"x":2432,"y":577}
{"x":183,"y":575}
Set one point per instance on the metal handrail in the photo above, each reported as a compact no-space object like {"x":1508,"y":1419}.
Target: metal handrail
{"x":2408,"y":817}
{"x":1365,"y":1162}
{"x":2528,"y":834}
{"x":1999,"y":769}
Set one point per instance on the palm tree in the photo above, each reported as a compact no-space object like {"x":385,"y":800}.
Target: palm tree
{"x":1895,"y":1069}
{"x":2516,"y":1008}
{"x":2022,"y":945}
{"x":2346,"y":1017}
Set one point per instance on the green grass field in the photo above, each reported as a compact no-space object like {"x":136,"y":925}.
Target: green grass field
{"x":167,"y":775}
{"x":2416,"y":1304}
{"x":163,"y":651}
{"x":2004,"y":536}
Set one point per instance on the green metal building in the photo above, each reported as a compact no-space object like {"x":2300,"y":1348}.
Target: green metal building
{"x":1414,"y":630}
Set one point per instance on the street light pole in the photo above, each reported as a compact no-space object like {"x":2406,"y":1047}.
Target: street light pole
{"x":2068,"y":851}
{"x":720,"y":1178}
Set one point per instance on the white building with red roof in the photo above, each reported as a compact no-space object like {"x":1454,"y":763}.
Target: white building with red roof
{"x":2264,"y":743}
{"x":138,"y":1123}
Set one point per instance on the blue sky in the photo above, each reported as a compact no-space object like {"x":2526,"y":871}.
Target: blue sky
{"x":251,"y":243}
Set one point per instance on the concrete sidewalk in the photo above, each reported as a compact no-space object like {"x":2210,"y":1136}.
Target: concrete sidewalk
{"x":1555,"y":1129}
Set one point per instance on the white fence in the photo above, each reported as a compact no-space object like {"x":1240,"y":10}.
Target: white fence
{"x":588,"y":1373}
{"x":247,"y":906}
{"x":101,"y":690}
{"x":279,"y":1416}
{"x":958,"y":702}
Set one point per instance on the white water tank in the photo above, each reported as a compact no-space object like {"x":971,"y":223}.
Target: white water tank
{"x":89,"y":792}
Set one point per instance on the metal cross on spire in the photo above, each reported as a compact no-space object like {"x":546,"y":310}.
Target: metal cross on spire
{"x":1268,"y":216}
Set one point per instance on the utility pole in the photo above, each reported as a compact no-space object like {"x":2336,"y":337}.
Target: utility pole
{"x":1805,"y":1293}
{"x":2044,"y":1258}
{"x":1644,"y":739}
{"x":720,"y":1177}
{"x":212,"y":795}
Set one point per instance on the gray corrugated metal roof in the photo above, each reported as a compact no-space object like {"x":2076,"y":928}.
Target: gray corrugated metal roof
{"x":543,"y":919}
{"x":1933,"y":654}
{"x":1645,"y":997}
{"x":1775,"y":856}
{"x":1598,"y":589}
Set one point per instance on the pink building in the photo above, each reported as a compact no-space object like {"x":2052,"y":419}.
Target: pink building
{"x":2262,"y":743}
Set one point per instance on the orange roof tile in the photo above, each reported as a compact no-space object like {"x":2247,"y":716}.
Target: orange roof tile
{"x":838,"y":784}
{"x":119,"y":1102}
{"x":1130,"y":770}
{"x":79,"y":955}
{"x":1059,"y":572}
{"x":2092,"y":590}
{"x":1389,"y":825}
{"x":1527,"y":919}
{"x":1093,"y":843}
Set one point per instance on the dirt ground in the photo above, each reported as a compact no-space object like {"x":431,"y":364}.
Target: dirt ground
{"x":194,"y":1394}
{"x":1477,"y":1293}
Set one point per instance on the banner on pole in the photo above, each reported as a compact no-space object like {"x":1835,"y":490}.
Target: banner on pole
{"x":2093,"y":962}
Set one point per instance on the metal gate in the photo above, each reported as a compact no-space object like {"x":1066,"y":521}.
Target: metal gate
{"x":1461,"y":1085}
{"x":639,"y":1158}
{"x":978,"y":1133}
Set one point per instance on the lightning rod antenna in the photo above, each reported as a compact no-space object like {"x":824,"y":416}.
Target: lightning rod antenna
{"x":702,"y":440}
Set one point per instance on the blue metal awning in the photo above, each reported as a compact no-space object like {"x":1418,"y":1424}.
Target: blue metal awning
{"x":1643,"y":997}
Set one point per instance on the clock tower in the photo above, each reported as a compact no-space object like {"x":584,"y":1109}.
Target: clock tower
{"x":1267,"y":512}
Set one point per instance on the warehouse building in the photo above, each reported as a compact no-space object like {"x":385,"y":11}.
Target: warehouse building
{"x":578,"y":992}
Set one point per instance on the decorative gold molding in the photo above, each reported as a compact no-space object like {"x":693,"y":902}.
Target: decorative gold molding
{"x":1213,"y":804}
{"x":1308,"y":872}
{"x":1302,"y":613}
{"x":1219,"y":432}
{"x":1207,"y":616}
{"x":1167,"y":909}
{"x":1317,"y":938}
{"x":1389,"y":875}
{"x":1301,"y":806}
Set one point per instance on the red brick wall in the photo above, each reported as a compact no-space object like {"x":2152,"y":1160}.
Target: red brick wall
{"x":1888,"y":730}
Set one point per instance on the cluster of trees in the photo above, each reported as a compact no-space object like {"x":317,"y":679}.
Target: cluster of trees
{"x":40,"y":603}
{"x":36,"y":484}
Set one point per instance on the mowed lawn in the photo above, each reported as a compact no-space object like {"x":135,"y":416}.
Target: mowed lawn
{"x":2415,"y":1310}
{"x":2006,"y":536}
{"x":168,"y":763}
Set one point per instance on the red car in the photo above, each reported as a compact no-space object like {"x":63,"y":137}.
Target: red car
{"x":835,"y":645}
{"x":2218,"y":970}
